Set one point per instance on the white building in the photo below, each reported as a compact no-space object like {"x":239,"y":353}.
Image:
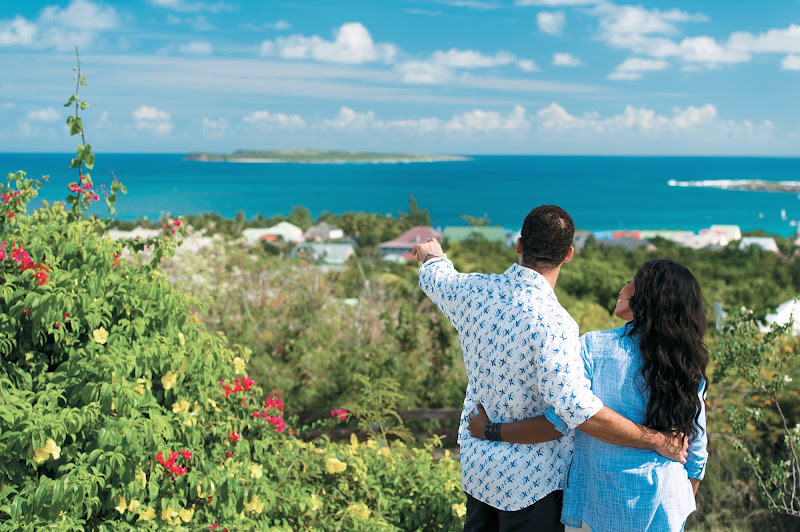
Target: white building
{"x":335,"y":254}
{"x":284,"y":231}
{"x":322,"y":232}
{"x":786,"y":312}
{"x":765,"y":243}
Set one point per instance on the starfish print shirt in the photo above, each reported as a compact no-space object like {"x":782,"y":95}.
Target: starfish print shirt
{"x":522,"y":356}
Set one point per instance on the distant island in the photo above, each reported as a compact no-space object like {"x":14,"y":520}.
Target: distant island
{"x":319,"y":157}
{"x":742,"y":184}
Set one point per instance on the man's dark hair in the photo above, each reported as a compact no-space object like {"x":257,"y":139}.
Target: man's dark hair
{"x":546,"y":237}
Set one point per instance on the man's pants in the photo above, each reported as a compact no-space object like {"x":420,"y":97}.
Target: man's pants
{"x":542,"y":516}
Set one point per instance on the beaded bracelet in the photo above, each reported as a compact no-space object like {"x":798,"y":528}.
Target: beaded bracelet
{"x":492,"y":432}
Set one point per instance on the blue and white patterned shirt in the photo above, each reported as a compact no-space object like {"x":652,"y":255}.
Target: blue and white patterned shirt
{"x":522,"y":355}
{"x":612,"y":488}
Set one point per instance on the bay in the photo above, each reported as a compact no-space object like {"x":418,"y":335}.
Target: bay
{"x":599,"y":192}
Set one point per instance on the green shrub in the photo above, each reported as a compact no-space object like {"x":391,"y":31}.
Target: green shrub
{"x":120,"y":410}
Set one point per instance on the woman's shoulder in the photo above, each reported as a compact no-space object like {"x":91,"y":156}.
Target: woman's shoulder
{"x":604,"y":336}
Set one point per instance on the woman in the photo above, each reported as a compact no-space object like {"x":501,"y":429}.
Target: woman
{"x":652,"y":371}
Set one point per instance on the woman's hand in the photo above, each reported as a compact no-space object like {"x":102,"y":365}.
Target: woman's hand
{"x":477,"y":422}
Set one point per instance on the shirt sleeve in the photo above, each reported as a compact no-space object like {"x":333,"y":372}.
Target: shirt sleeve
{"x":447,"y":288}
{"x":562,"y":378}
{"x":588,"y":366}
{"x":698,"y":448}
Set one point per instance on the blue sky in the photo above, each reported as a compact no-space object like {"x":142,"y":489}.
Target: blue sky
{"x":428,"y":76}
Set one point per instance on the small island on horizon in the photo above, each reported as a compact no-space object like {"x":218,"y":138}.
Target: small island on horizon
{"x":319,"y":157}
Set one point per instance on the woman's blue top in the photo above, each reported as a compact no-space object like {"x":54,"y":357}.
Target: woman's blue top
{"x":613,"y":488}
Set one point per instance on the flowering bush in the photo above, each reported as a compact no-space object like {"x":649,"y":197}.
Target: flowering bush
{"x":119,"y":410}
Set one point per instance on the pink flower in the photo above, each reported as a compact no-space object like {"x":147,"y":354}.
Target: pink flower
{"x":176,"y":223}
{"x":66,"y":316}
{"x":86,"y":186}
{"x":75,"y":188}
{"x":57,"y":325}
{"x":341,"y":414}
{"x":186,"y":454}
{"x":234,"y":436}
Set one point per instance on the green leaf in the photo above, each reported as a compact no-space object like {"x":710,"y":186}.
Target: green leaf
{"x":76,"y":126}
{"x":84,"y":105}
{"x":72,"y":100}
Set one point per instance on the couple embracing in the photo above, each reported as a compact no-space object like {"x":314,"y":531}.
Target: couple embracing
{"x":605,"y":432}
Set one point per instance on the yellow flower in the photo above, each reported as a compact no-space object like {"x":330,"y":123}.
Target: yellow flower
{"x":181,"y":339}
{"x":168,"y":515}
{"x":121,"y":505}
{"x":147,"y":515}
{"x":256,"y":471}
{"x":51,"y":447}
{"x":40,"y":455}
{"x":354,"y":441}
{"x":334,"y":465}
{"x":180,"y":406}
{"x":359,"y":510}
{"x":460,"y":509}
{"x":384,"y":452}
{"x":100,"y":335}
{"x":141,"y":476}
{"x":238,"y":365}
{"x":315,"y":504}
{"x":186,"y":514}
{"x":255,"y":505}
{"x":168,"y":381}
{"x":371,"y":444}
{"x":133,"y":505}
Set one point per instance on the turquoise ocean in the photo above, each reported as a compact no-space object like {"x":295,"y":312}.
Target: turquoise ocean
{"x":600,"y":192}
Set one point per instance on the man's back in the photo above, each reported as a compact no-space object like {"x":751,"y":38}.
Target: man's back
{"x":521,"y":353}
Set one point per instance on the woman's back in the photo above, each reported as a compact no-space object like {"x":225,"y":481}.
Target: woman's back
{"x":613,"y":488}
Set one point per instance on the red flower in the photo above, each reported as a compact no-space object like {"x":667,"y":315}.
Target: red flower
{"x":11,"y":215}
{"x":66,"y":316}
{"x":230,"y":453}
{"x":234,"y":436}
{"x":57,"y":325}
{"x":186,"y":454}
{"x":75,"y":188}
{"x":176,"y":223}
{"x":214,"y":526}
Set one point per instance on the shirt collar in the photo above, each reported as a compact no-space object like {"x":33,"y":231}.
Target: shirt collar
{"x":522,"y":275}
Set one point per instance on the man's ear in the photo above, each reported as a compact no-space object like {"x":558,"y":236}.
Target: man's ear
{"x":569,"y":254}
{"x":519,"y":246}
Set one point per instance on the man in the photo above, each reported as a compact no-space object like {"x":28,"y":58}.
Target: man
{"x":522,"y":355}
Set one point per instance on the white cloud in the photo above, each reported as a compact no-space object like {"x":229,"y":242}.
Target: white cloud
{"x":352,"y":120}
{"x":18,"y":32}
{"x":633,"y":67}
{"x":352,"y":44}
{"x":196,"y":48}
{"x":424,"y":72}
{"x":280,"y":25}
{"x":439,"y":68}
{"x":526,"y":3}
{"x":488,"y":121}
{"x":454,"y":58}
{"x":8,"y":106}
{"x":266,"y":120}
{"x":78,"y":24}
{"x":183,"y":5}
{"x":152,"y":119}
{"x":472,"y":4}
{"x":554,"y":117}
{"x":44,"y":115}
{"x":707,"y":50}
{"x":791,"y":62}
{"x":214,"y":128}
{"x":551,"y":22}
{"x":475,"y":121}
{"x":785,"y":41}
{"x":566,"y":60}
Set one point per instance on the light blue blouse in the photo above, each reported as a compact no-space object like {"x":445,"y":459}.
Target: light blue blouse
{"x":613,"y":488}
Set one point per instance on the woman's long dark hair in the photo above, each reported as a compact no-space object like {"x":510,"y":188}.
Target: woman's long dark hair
{"x":670,"y":323}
